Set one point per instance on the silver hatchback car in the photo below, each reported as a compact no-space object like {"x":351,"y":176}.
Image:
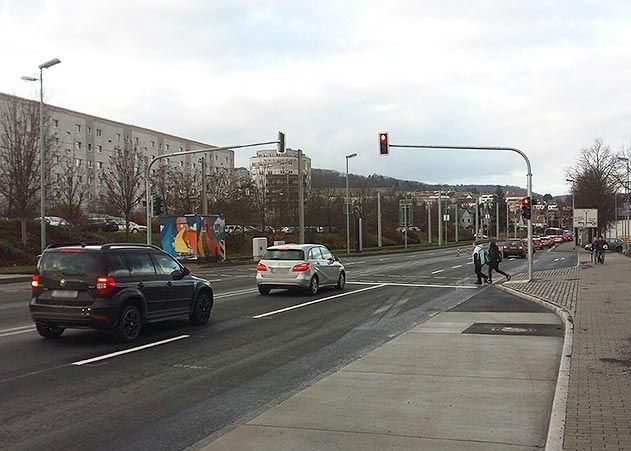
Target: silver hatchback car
{"x":304,"y":266}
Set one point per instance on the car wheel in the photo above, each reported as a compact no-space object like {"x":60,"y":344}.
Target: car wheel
{"x":49,"y":331}
{"x":314,"y":285}
{"x":129,"y":324}
{"x":341,"y":281}
{"x":619,"y":249}
{"x":201,"y":312}
{"x":264,"y":289}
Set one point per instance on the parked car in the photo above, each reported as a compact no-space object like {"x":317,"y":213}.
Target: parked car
{"x":536,"y":243}
{"x":303,"y":266}
{"x":513,"y":247}
{"x":117,"y":287}
{"x":613,"y":245}
{"x":55,"y":221}
{"x":101,"y":224}
{"x":133,"y":227}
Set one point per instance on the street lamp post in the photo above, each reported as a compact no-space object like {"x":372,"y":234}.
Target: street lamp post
{"x":347,"y":210}
{"x":42,"y":200}
{"x":626,"y":230}
{"x":573,"y":208}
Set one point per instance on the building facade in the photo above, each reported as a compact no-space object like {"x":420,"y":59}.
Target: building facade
{"x":88,"y":142}
{"x":276,"y":175}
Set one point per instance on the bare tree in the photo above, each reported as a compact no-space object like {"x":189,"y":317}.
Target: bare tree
{"x":123,"y":181}
{"x":595,"y":176}
{"x":72,"y":188}
{"x":20,"y":159}
{"x":185,"y":187}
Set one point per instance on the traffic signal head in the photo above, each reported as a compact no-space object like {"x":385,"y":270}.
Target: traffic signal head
{"x":526,"y":208}
{"x":157,"y":205}
{"x":281,"y":142}
{"x":384,"y":149}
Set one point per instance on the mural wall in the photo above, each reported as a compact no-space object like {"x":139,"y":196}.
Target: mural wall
{"x":193,"y":237}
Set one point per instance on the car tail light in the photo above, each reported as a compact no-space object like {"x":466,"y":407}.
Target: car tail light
{"x":521,"y":248}
{"x":300,"y":267}
{"x":35,"y":284}
{"x":104,"y":285}
{"x":261,"y":267}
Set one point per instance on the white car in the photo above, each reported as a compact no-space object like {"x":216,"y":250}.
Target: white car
{"x":303,"y":266}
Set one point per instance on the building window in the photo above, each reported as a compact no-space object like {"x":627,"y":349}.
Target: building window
{"x":168,"y":147}
{"x":153,"y":144}
{"x":77,"y":162}
{"x":56,"y":123}
{"x":99,"y":149}
{"x":167,"y":161}
{"x":80,"y":179}
{"x":56,"y":158}
{"x":180,"y":148}
{"x":99,"y":132}
{"x":89,"y":130}
{"x":89,"y":147}
{"x":118,"y":137}
{"x":181,"y":164}
{"x":100,"y":164}
{"x":58,"y":177}
{"x":57,"y":140}
{"x":136,"y":140}
{"x":159,"y":145}
{"x":89,"y":163}
{"x":78,"y":145}
{"x":78,"y":128}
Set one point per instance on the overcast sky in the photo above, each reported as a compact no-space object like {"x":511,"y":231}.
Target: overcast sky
{"x":547,"y":77}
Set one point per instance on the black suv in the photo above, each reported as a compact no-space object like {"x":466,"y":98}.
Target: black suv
{"x":114,"y":286}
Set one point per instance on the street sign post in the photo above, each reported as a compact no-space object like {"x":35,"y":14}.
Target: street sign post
{"x":405,"y":217}
{"x":585,"y":217}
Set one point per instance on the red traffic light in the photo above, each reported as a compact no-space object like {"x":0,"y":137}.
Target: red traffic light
{"x":384,"y":148}
{"x":525,"y":201}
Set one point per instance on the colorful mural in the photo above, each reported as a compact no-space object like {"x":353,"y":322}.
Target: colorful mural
{"x":193,"y":237}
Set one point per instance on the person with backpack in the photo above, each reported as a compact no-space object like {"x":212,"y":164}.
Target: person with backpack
{"x":599,"y":247}
{"x":494,"y":263}
{"x":479,"y":259}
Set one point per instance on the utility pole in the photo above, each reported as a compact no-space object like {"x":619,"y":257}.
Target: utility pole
{"x":204,"y":182}
{"x":378,"y":219}
{"x":477,"y":218}
{"x":456,"y":220}
{"x":301,"y":199}
{"x":440,"y":218}
{"x":497,"y":219}
{"x":429,"y":223}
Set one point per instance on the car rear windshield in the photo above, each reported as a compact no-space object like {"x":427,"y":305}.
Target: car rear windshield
{"x":284,"y":254}
{"x":67,"y":263}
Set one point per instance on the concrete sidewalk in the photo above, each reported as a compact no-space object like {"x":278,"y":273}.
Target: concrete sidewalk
{"x":477,"y":377}
{"x":598,"y":408}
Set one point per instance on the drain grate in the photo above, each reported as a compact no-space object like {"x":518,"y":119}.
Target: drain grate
{"x":520,"y":329}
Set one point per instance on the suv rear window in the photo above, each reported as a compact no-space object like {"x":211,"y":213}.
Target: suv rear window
{"x":69,"y":263}
{"x":284,"y":254}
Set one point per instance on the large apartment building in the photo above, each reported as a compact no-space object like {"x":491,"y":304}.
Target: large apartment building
{"x":89,"y":141}
{"x":277,"y":176}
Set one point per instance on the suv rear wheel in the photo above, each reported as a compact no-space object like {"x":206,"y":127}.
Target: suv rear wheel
{"x":201,"y":311}
{"x":49,"y":331}
{"x":129,"y":324}
{"x":314,"y":285}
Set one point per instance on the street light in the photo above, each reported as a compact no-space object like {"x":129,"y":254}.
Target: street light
{"x":572,"y":181}
{"x":626,"y":230}
{"x":348,"y":234}
{"x":42,"y":206}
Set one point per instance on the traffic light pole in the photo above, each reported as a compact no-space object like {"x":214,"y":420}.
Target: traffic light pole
{"x":510,"y":149}
{"x":190,"y":152}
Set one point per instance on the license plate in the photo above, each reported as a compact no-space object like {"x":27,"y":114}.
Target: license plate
{"x":64,"y":294}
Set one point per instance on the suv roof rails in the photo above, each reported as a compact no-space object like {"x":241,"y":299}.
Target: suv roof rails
{"x":56,"y":245}
{"x":111,"y":245}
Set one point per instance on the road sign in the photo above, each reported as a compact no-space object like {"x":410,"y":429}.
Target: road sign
{"x":585,"y":217}
{"x":405,"y":213}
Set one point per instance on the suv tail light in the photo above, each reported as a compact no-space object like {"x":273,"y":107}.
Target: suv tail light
{"x":35,"y":284}
{"x":300,"y":267}
{"x":104,"y":285}
{"x":261,"y":267}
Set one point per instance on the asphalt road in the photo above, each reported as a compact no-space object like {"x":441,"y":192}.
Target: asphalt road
{"x":250,"y":355}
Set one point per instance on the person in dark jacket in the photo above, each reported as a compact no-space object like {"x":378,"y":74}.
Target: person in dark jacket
{"x":494,"y":264}
{"x":599,"y":246}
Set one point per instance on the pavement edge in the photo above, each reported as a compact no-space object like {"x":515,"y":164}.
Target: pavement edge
{"x":556,"y":428}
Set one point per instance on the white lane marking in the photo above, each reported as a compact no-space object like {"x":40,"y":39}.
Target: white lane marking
{"x":437,"y":271}
{"x":470,"y":263}
{"x":127,"y":351}
{"x":354,"y":263}
{"x":215,"y":280}
{"x":397,"y":284}
{"x":457,"y":266}
{"x":235,"y":293}
{"x":293,"y":307}
{"x":17,"y":332}
{"x":30,"y":326}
